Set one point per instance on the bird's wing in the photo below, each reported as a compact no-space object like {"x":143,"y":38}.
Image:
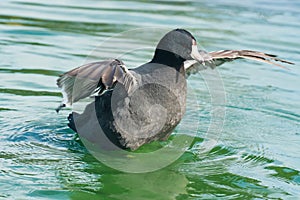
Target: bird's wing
{"x":93,"y":79}
{"x":216,"y":58}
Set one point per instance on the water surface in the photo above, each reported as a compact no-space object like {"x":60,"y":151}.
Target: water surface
{"x":257,"y":155}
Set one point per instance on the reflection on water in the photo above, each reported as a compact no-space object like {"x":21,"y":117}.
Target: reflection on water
{"x":257,"y":155}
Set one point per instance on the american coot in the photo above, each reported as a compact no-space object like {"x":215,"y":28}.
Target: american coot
{"x":137,"y":106}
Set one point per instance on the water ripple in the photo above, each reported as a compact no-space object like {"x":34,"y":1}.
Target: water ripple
{"x":257,"y":156}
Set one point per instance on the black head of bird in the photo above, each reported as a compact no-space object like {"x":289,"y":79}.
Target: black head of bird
{"x":176,"y":47}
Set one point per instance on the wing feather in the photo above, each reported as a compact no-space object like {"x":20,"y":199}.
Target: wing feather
{"x":217,"y":58}
{"x":92,"y":78}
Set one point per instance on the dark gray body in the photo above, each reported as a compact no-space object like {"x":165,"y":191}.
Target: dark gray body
{"x":151,"y":111}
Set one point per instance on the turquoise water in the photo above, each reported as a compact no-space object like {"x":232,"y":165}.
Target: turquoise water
{"x":257,"y":154}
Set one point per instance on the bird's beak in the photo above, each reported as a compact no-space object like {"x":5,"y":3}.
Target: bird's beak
{"x":196,"y":55}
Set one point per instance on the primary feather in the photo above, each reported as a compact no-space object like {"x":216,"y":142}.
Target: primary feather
{"x":93,"y":79}
{"x":216,"y":58}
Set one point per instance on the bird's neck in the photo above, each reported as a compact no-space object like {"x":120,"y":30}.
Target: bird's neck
{"x":168,"y":58}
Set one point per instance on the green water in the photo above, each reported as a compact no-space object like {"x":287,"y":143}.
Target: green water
{"x":257,"y":154}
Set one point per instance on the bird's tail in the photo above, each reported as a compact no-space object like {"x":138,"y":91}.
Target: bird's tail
{"x":71,"y":123}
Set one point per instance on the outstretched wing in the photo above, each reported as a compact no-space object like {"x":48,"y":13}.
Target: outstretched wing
{"x":220,"y":57}
{"x":93,"y":79}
